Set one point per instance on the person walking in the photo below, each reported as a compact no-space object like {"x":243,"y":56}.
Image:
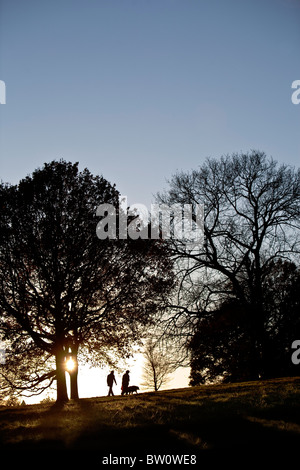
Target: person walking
{"x":125,"y":382}
{"x":110,"y":381}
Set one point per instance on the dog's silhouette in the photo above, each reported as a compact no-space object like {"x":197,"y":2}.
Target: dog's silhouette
{"x":132,"y":388}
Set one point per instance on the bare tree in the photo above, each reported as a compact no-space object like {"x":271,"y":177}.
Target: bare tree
{"x":251,"y":218}
{"x":159,"y":364}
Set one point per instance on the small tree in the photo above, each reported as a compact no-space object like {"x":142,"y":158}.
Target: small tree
{"x":159,"y":364}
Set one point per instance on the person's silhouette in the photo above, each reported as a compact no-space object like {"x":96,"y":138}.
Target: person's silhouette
{"x":110,"y":381}
{"x":125,"y":383}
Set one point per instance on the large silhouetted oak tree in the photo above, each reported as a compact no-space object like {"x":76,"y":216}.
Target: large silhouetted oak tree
{"x":64,"y":292}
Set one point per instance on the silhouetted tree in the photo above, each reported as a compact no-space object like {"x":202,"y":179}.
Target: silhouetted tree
{"x":158,"y":365}
{"x":251,"y":218}
{"x":64,"y":292}
{"x":221,"y":347}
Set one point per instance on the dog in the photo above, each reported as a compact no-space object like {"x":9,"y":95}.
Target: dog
{"x":132,"y":388}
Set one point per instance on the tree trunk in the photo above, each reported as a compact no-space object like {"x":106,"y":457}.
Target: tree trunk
{"x":73,"y":380}
{"x":62,"y":394}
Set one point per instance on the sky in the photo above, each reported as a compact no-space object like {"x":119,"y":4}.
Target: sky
{"x":136,"y":90}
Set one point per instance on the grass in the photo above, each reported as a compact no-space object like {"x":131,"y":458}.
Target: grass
{"x":251,"y":416}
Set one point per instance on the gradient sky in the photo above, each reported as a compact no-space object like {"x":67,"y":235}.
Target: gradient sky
{"x":136,"y":89}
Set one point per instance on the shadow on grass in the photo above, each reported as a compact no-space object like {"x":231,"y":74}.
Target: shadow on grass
{"x":160,"y":424}
{"x":205,"y":440}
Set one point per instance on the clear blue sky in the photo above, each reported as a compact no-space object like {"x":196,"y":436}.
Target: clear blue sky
{"x":136,"y":89}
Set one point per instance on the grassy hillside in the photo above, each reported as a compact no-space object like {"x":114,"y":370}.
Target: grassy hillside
{"x":250,"y":416}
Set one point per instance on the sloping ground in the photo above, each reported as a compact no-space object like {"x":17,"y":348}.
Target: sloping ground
{"x":250,"y":416}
